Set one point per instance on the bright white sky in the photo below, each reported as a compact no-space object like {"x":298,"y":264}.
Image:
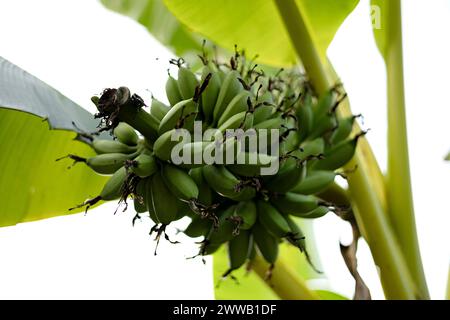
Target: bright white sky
{"x":71,"y":45}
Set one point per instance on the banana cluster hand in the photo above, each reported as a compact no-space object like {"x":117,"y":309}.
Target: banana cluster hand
{"x":229,"y":203}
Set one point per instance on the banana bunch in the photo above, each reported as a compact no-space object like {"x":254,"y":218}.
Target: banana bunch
{"x":229,"y":203}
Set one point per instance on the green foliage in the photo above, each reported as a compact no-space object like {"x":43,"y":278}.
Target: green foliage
{"x":33,"y":185}
{"x":255,"y":26}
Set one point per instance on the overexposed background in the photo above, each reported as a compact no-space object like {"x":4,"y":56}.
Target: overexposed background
{"x":73,"y":46}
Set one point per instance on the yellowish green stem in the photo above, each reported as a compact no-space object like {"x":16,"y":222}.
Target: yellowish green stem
{"x":399,"y":196}
{"x":284,"y":281}
{"x":370,"y":208}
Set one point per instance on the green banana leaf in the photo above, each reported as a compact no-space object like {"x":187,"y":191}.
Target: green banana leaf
{"x":447,"y":157}
{"x":160,"y":22}
{"x":253,"y":25}
{"x":256,"y":26}
{"x":33,"y":185}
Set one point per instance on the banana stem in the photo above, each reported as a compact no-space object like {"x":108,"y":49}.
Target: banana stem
{"x":400,"y":200}
{"x":370,"y":212}
{"x":284,"y":281}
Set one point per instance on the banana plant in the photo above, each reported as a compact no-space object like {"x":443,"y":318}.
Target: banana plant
{"x":296,"y":34}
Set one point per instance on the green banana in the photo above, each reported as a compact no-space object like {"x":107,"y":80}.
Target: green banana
{"x":126,"y":134}
{"x":317,"y":213}
{"x":164,"y":145}
{"x":305,"y":116}
{"x":163,"y":202}
{"x":187,"y":83}
{"x":344,"y":129}
{"x":297,"y":238}
{"x":247,"y":214}
{"x":172,"y":91}
{"x":181,"y":115}
{"x":239,"y":249}
{"x":226,"y":229}
{"x":140,"y":197}
{"x":108,"y":163}
{"x":315,"y":182}
{"x":158,"y":109}
{"x":338,"y":155}
{"x":198,"y":228}
{"x":272,"y":219}
{"x":226,"y":184}
{"x":296,"y":204}
{"x":250,"y":164}
{"x":180,"y":183}
{"x":291,"y":173}
{"x":264,"y":108}
{"x":191,"y":155}
{"x":111,"y":146}
{"x":266,"y":243}
{"x":205,"y":195}
{"x":242,"y":120}
{"x":210,"y":94}
{"x":112,"y":190}
{"x":144,"y":165}
{"x":237,"y":105}
{"x":228,"y":90}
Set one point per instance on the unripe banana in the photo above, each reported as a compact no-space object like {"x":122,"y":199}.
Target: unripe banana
{"x":317,"y":213}
{"x":181,"y":115}
{"x":111,"y":146}
{"x":164,"y":203}
{"x":266,"y":243}
{"x":247,"y":213}
{"x":158,"y":109}
{"x":191,"y":154}
{"x":264,"y":109}
{"x":298,"y":205}
{"x":297,"y":237}
{"x":198,"y":228}
{"x":325,"y":105}
{"x":237,"y":105}
{"x":305,"y":116}
{"x":140,"y":197}
{"x":228,"y":90}
{"x":126,"y":134}
{"x":315,"y":182}
{"x":242,"y":120}
{"x":226,"y":184}
{"x":338,"y":155}
{"x":315,"y":147}
{"x":226,"y":229}
{"x":144,"y":165}
{"x":187,"y":82}
{"x":272,"y":219}
{"x":172,"y":91}
{"x":205,"y":195}
{"x":112,"y":189}
{"x":210,"y":94}
{"x":326,"y":124}
{"x":164,"y":145}
{"x":250,"y":164}
{"x":239,"y":249}
{"x":108,"y":163}
{"x":272,"y":123}
{"x":290,"y":175}
{"x":180,"y":183}
{"x":343,"y":130}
